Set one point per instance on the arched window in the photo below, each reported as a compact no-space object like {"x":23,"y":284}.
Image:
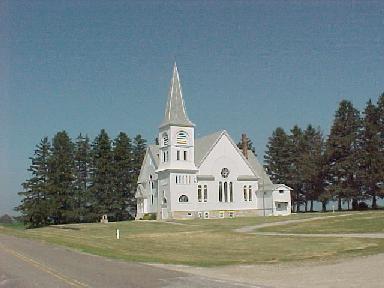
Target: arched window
{"x":245,"y":193}
{"x":205,"y":193}
{"x":165,"y":139}
{"x":220,"y":191}
{"x":199,"y":193}
{"x":249,"y":193}
{"x":183,"y":198}
{"x":230,"y":192}
{"x":182,"y":138}
{"x":225,"y":192}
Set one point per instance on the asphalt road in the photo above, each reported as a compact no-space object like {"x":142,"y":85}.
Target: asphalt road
{"x":27,"y":263}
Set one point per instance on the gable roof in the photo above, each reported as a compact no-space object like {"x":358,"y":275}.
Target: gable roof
{"x":264,"y":178}
{"x":205,"y":144}
{"x":175,"y":113}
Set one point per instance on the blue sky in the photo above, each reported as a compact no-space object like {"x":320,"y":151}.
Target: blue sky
{"x":245,"y":66}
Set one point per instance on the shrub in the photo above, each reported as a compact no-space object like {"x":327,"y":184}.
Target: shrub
{"x":363,"y":206}
{"x":149,"y":216}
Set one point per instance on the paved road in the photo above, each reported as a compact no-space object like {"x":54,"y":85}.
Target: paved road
{"x":26,"y":263}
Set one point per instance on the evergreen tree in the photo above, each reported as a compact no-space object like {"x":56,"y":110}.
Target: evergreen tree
{"x":61,"y":179}
{"x":34,"y":206}
{"x":124,"y":190}
{"x":342,"y":153}
{"x":295,"y":179}
{"x":276,"y":156}
{"x":312,"y":165}
{"x":380,"y":107}
{"x":82,"y":197}
{"x":371,"y":157}
{"x":102,"y":176}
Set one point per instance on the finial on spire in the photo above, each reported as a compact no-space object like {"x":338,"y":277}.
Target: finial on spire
{"x":175,"y":113}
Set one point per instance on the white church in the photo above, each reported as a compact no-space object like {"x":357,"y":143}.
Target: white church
{"x":209,"y":177}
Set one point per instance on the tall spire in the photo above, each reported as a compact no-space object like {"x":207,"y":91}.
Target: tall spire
{"x":175,"y":113}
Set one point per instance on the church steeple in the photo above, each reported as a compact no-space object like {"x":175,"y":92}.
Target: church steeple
{"x":175,"y":113}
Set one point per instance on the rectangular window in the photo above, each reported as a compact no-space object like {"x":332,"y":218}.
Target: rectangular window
{"x":185,"y":155}
{"x":205,"y":193}
{"x":231,"y":214}
{"x":245,"y":193}
{"x":199,"y":193}
{"x":220,"y":191}
{"x":221,"y":214}
{"x":206,"y":215}
{"x":250,"y":193}
{"x":177,"y":155}
{"x":225,"y":192}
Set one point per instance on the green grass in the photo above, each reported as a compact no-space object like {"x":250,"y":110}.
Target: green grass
{"x":360,"y":222}
{"x":202,"y":242}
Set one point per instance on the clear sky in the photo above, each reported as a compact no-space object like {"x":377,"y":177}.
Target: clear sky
{"x":245,"y":66}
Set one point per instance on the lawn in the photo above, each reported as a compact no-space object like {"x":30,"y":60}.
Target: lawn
{"x":203,"y":242}
{"x":359,"y":222}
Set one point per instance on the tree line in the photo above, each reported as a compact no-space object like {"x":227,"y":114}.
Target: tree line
{"x":73,"y":182}
{"x":347,"y":166}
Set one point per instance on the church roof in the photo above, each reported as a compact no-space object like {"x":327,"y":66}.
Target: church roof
{"x":204,"y":144}
{"x":202,"y":147}
{"x":259,"y":169}
{"x":175,"y":113}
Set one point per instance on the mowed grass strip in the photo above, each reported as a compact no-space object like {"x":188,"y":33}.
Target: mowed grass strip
{"x":356,"y":222}
{"x":199,"y":242}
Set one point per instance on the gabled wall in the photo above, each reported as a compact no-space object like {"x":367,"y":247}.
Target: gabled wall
{"x":225,"y":155}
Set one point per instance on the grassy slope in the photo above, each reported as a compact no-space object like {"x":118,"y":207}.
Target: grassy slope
{"x":200,"y":242}
{"x":361,"y":222}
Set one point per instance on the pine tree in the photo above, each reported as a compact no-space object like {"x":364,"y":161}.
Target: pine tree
{"x":380,"y":107}
{"x":342,"y":153}
{"x":34,"y":206}
{"x":371,"y":157}
{"x":61,"y":179}
{"x":312,"y":165}
{"x":122,"y":162}
{"x":82,"y":196}
{"x":101,"y":176}
{"x":276,"y":156}
{"x":296,"y":150}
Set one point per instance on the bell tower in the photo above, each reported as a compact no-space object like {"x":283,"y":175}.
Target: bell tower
{"x":176,"y":132}
{"x":176,"y":170}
